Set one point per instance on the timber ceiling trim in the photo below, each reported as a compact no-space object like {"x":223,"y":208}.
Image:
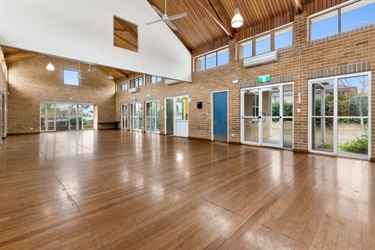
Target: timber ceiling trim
{"x":12,"y":55}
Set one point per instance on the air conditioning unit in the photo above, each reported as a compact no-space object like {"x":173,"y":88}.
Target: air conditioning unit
{"x":133,"y":90}
{"x":260,"y":59}
{"x":171,"y":81}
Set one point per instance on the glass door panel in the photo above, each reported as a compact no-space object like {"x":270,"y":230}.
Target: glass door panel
{"x":88,"y":116}
{"x":250,"y":116}
{"x":287,"y":116}
{"x":50,"y":109}
{"x":322,"y":116}
{"x":62,"y":116}
{"x":73,"y":117}
{"x":270,"y":120}
{"x":148,"y":116}
{"x":43,"y":117}
{"x":124,"y":116}
{"x":352,"y":116}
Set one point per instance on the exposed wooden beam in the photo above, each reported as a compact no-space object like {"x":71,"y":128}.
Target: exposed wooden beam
{"x":298,"y":6}
{"x":12,"y":58}
{"x":224,"y":26}
{"x":121,"y":79}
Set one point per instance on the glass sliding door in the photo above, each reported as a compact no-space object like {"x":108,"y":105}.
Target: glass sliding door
{"x":339,"y":115}
{"x":88,"y":116}
{"x":267,"y":116}
{"x":65,"y":116}
{"x":136,"y":116}
{"x":62,"y":116}
{"x":153,"y":116}
{"x":124,"y":116}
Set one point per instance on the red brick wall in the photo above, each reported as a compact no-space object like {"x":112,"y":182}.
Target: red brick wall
{"x":30,"y":84}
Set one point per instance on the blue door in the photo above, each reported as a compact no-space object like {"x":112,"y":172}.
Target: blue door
{"x":220,"y":110}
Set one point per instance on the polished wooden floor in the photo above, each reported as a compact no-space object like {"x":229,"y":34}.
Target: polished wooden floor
{"x":123,"y":190}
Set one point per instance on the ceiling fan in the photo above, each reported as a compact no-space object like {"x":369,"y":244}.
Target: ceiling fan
{"x":165,"y":18}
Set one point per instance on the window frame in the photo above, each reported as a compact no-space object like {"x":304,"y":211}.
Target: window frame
{"x":158,"y":79}
{"x":134,"y":83}
{"x":270,"y":33}
{"x":337,"y":8}
{"x":71,"y":70}
{"x":216,"y":52}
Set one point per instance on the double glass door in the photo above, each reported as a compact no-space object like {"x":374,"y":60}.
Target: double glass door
{"x":153,"y":116}
{"x":339,"y":115}
{"x":267,"y":116}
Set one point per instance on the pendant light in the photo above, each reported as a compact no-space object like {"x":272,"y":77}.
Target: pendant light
{"x":110,"y":76}
{"x":50,"y":66}
{"x":237,"y":20}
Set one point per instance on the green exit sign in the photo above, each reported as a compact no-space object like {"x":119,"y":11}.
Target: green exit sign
{"x":262,"y":79}
{"x":134,"y":99}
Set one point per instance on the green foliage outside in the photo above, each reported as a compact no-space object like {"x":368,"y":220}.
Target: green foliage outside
{"x":360,"y":145}
{"x":347,"y":106}
{"x":73,"y":121}
{"x":288,"y":110}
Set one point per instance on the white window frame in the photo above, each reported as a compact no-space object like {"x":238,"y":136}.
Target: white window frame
{"x":216,"y":52}
{"x":272,"y":34}
{"x":335,"y":115}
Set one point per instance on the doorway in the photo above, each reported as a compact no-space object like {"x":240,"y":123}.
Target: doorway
{"x":124,"y":116}
{"x":136,"y":116}
{"x":153,"y":116}
{"x":267,"y":116}
{"x":220,"y":116}
{"x":177,"y":116}
{"x":169,"y":116}
{"x":339,"y":115}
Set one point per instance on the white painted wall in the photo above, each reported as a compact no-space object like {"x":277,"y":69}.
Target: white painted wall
{"x":83,"y":30}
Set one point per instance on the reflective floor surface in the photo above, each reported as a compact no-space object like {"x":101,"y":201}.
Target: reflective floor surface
{"x":124,"y":190}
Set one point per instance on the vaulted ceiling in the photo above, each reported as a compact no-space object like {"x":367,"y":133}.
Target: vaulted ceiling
{"x":209,"y":21}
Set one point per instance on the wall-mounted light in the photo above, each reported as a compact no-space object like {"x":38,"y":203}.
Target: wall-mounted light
{"x":50,"y":66}
{"x":110,"y":76}
{"x":235,"y":81}
{"x":237,"y":20}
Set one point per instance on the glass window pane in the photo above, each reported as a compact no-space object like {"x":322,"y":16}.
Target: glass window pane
{"x":200,"y":63}
{"x":352,"y":137}
{"x":284,"y":38}
{"x":353,"y":96}
{"x":288,"y":133}
{"x":322,"y":129}
{"x":211,"y":60}
{"x":71,"y":77}
{"x":263,"y":44}
{"x":222,"y":57}
{"x":357,"y":15}
{"x":246,"y":49}
{"x":323,"y":98}
{"x":324,"y":25}
{"x":288,"y":100}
